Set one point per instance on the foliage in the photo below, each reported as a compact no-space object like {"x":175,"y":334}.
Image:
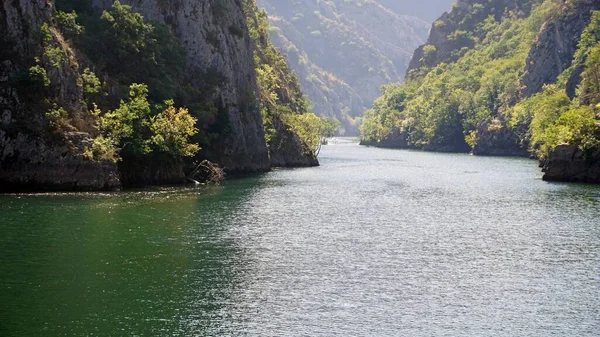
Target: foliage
{"x":442,"y":107}
{"x":133,"y":50}
{"x":577,"y":125}
{"x":127,"y":124}
{"x":68,"y":24}
{"x":552,"y":117}
{"x":58,"y":118}
{"x":539,"y":112}
{"x":329,"y":126}
{"x":172,"y":130}
{"x":308,"y":128}
{"x":590,"y":85}
{"x":126,"y":48}
{"x":91,"y":83}
{"x":37,"y":78}
{"x":133,"y":127}
{"x":102,"y":149}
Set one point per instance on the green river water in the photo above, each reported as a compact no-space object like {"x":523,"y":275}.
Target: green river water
{"x":373,"y":243}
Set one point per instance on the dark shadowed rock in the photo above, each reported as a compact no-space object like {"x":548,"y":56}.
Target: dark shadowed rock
{"x":568,"y":163}
{"x":287,"y":150}
{"x":496,"y":139}
{"x":30,"y":164}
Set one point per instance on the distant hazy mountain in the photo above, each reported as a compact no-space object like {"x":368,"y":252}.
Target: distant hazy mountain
{"x":344,"y":50}
{"x":428,"y":10}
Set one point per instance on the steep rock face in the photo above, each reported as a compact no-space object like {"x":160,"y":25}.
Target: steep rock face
{"x":47,"y":133}
{"x":550,"y":54}
{"x":216,"y":37}
{"x":553,"y":51}
{"x":343,"y":51}
{"x":287,"y":150}
{"x":32,"y":157}
{"x":29,"y":163}
{"x":448,"y":40}
{"x":568,"y":163}
{"x":494,"y":138}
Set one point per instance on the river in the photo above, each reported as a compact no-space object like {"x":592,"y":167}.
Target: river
{"x":374,"y":242}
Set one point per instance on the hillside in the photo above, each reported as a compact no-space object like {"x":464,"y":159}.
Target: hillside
{"x":502,"y":78}
{"x":102,"y":94}
{"x":428,"y":10}
{"x":343,"y":51}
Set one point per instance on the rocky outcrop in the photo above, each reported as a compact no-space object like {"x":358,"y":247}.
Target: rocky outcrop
{"x":46,"y":130}
{"x":571,"y":164}
{"x":31,"y":156}
{"x":494,"y":138}
{"x":31,"y":164}
{"x":286,"y":149}
{"x":152,"y":171}
{"x":215,"y":34}
{"x":555,"y":46}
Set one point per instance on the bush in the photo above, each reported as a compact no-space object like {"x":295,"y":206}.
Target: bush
{"x":172,"y":130}
{"x":133,"y":128}
{"x":37,"y":78}
{"x":577,"y":126}
{"x":68,"y":24}
{"x":58,"y":119}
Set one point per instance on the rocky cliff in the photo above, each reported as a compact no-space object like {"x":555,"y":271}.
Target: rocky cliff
{"x":32,"y":156}
{"x":50,"y":131}
{"x":506,"y":77}
{"x":553,"y":51}
{"x":215,"y":35}
{"x":551,"y":54}
{"x":571,"y":164}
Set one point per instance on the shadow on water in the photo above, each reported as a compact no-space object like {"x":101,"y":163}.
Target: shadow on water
{"x":151,"y":262}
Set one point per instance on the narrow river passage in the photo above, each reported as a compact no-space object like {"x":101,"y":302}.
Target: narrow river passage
{"x":373,"y":243}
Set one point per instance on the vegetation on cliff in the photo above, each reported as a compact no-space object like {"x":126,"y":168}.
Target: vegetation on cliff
{"x":480,"y":80}
{"x":556,"y":119}
{"x":281,"y":99}
{"x":142,"y":66}
{"x":136,"y":100}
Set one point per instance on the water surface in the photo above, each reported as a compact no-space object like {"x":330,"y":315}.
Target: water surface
{"x":373,"y":243}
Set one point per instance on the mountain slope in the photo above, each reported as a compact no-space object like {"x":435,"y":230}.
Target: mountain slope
{"x":343,"y":51}
{"x":428,"y":10}
{"x":504,"y":77}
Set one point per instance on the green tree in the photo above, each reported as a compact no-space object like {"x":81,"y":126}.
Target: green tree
{"x":172,"y":130}
{"x":133,"y":50}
